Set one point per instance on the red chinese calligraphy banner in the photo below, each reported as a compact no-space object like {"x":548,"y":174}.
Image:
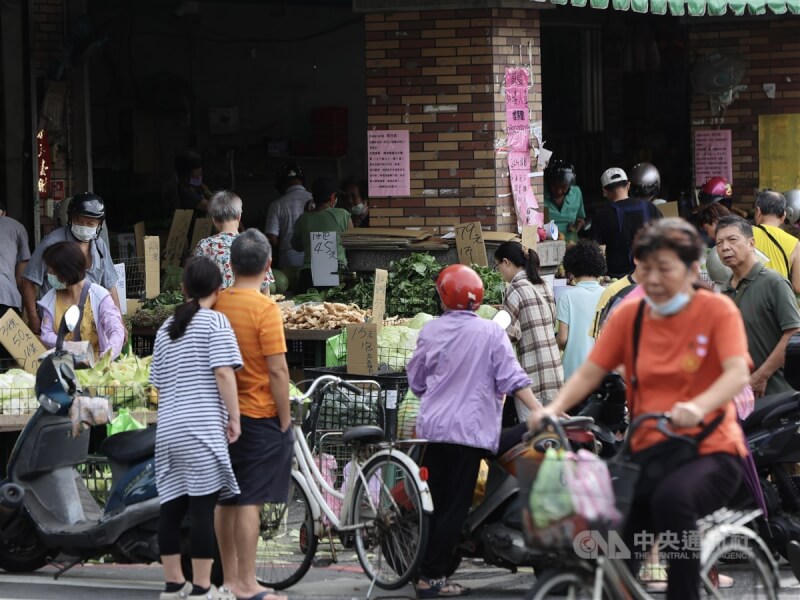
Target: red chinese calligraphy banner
{"x":519,"y":160}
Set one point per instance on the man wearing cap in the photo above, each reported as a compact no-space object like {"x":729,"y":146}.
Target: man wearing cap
{"x":323,"y":216}
{"x":284,"y":212}
{"x":615,"y":224}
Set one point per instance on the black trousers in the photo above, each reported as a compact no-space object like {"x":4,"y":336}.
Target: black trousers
{"x":452,"y":474}
{"x":696,"y":489}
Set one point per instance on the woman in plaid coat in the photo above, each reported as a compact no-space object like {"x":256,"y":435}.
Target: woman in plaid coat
{"x":533,"y":310}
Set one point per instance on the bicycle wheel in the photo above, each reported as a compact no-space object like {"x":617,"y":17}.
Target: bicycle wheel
{"x":392,"y":542}
{"x":287,"y":542}
{"x":573,"y":583}
{"x":746,"y":564}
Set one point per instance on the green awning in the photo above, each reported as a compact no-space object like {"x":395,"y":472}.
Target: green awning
{"x":694,"y":8}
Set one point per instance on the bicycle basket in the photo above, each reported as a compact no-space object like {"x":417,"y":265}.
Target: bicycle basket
{"x":564,"y":494}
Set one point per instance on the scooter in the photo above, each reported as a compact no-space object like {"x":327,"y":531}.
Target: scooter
{"x":46,"y":510}
{"x":493,"y":529}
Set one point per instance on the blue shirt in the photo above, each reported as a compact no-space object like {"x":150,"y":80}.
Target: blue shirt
{"x":576,"y":309}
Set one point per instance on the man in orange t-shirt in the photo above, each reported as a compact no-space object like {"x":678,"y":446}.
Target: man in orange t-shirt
{"x":262,"y":457}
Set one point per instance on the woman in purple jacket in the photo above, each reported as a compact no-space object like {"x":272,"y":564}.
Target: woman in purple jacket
{"x":460,"y":370}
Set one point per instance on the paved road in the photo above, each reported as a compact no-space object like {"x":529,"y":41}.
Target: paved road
{"x":136,"y":582}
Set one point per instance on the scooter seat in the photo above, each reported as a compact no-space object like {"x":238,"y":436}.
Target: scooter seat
{"x":130,"y":447}
{"x":364,"y":434}
{"x":772,"y":407}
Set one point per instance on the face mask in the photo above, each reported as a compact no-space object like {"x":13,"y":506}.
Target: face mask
{"x":359,"y":209}
{"x":672,"y":306}
{"x":84,"y":233}
{"x":55,"y":282}
{"x":196,"y":181}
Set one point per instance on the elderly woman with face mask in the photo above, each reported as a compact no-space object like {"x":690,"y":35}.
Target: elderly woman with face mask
{"x":692,"y":359}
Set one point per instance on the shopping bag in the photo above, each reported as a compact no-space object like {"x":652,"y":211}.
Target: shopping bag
{"x":407,"y":417}
{"x":550,"y":500}
{"x":124,"y":421}
{"x":336,"y":350}
{"x":589,"y":485}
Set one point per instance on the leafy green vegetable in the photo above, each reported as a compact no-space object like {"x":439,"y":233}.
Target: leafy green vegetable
{"x":164,"y":299}
{"x":419,"y":320}
{"x":493,"y":284}
{"x":312,"y":295}
{"x":486,"y":312}
{"x":360,"y":293}
{"x":411,"y":287}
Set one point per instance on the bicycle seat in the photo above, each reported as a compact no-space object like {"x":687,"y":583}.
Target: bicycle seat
{"x":363,"y":434}
{"x":770,"y":408}
{"x":130,"y":447}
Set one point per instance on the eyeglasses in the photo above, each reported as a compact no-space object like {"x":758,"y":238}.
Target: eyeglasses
{"x":496,"y":266}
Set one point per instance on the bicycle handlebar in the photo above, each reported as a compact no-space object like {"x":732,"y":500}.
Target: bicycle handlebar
{"x":328,"y":380}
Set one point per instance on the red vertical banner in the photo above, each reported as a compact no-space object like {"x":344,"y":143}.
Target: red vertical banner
{"x":44,"y":163}
{"x":518,"y":132}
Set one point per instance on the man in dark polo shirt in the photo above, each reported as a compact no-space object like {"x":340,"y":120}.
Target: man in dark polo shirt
{"x":766,"y":301}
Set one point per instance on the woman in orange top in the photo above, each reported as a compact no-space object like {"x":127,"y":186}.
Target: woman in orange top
{"x":692,"y":360}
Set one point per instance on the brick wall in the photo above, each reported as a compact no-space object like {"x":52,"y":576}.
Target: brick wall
{"x":439,"y":74}
{"x":772,"y":49}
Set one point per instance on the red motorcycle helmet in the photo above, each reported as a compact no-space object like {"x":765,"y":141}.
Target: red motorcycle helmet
{"x":460,"y":288}
{"x":716,"y":189}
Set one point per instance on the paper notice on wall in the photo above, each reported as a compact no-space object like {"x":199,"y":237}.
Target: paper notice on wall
{"x":20,"y":341}
{"x":778,"y":158}
{"x":388,"y":163}
{"x":519,"y":154}
{"x":122,"y":290}
{"x":324,"y":258}
{"x":712,"y":155}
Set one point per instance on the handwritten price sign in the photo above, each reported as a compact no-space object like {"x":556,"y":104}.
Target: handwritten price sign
{"x":470,"y":246}
{"x":324,"y":258}
{"x":362,"y":349}
{"x":20,"y":341}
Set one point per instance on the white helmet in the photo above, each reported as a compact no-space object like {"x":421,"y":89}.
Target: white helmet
{"x":792,"y":206}
{"x":612,"y":176}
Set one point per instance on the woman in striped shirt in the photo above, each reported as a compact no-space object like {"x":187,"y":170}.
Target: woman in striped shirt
{"x":194,"y":359}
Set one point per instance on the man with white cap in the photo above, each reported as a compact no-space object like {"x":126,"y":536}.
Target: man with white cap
{"x":615,"y":224}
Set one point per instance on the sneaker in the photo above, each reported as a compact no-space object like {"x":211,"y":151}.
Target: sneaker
{"x":179,"y":595}
{"x":214,"y":594}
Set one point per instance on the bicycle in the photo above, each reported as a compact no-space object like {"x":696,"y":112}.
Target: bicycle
{"x":385,"y":505}
{"x":725,"y":543}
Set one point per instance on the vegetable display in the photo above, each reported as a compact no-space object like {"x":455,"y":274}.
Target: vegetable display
{"x":16,"y":392}
{"x":493,"y":284}
{"x":411,"y":287}
{"x":125,"y":381}
{"x":324,"y":315}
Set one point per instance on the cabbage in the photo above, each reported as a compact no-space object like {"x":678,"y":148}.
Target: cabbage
{"x":16,"y":393}
{"x":125,"y":380}
{"x":486,"y":312}
{"x":419,"y":320}
{"x":396,"y":344}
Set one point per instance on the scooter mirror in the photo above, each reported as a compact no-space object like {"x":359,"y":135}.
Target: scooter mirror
{"x":503,"y":319}
{"x":48,"y":404}
{"x":68,"y":323}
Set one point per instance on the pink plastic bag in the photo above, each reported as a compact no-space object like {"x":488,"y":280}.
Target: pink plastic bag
{"x":328,"y":468}
{"x":589,"y":484}
{"x":745,"y":402}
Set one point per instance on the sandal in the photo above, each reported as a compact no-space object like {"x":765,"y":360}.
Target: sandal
{"x":441,"y":588}
{"x":654,"y":577}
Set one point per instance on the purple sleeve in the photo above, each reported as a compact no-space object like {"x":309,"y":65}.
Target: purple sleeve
{"x":110,"y":321}
{"x":47,"y":334}
{"x":415,"y":370}
{"x":509,"y":376}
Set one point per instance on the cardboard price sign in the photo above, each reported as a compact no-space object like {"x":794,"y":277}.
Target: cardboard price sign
{"x":470,"y":246}
{"x":138,"y":234}
{"x":379,"y":296}
{"x":362,"y":349}
{"x":530,"y":236}
{"x":20,"y":341}
{"x":178,"y":236}
{"x":152,"y":268}
{"x":202,"y":230}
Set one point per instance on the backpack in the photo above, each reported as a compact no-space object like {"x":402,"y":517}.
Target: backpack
{"x":640,"y":206}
